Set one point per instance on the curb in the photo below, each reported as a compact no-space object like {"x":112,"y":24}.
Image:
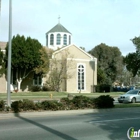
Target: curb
{"x":48,"y":113}
{"x":62,"y":112}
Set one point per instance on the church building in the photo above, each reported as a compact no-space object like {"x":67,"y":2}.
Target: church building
{"x":84,"y":66}
{"x":84,"y":71}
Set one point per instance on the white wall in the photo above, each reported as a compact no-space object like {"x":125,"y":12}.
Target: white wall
{"x":55,"y":46}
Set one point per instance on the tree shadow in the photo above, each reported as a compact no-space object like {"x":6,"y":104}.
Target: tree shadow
{"x":46,"y":128}
{"x":92,"y":65}
{"x":117,"y":126}
{"x":114,"y":122}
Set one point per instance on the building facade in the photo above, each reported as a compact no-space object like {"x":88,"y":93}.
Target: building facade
{"x":82,"y":68}
{"x":83,"y":73}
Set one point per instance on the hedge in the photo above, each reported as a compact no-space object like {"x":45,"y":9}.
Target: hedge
{"x":78,"y":102}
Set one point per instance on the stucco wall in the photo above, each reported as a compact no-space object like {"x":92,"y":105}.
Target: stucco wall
{"x":72,"y":83}
{"x":71,"y":52}
{"x":3,"y":84}
{"x":78,"y":56}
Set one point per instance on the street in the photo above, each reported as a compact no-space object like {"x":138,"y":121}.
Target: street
{"x":108,"y":124}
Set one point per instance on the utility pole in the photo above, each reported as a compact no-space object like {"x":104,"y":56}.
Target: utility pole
{"x":0,"y":7}
{"x":9,"y":56}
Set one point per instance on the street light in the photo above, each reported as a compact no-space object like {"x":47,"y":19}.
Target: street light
{"x":9,"y":56}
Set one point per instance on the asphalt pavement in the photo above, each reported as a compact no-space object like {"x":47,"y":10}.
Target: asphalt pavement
{"x":91,"y":124}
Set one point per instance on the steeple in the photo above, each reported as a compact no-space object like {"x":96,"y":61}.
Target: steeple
{"x":58,"y":36}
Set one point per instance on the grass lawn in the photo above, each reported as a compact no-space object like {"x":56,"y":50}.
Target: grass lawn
{"x":126,"y":105}
{"x":55,"y":95}
{"x":36,"y":96}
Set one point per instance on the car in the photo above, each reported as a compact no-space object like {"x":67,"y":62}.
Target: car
{"x":132,"y":96}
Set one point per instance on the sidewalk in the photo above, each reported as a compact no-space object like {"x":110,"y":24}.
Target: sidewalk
{"x":50,"y":113}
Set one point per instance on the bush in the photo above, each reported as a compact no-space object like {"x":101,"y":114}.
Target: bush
{"x":52,"y":105}
{"x":45,"y":88}
{"x":38,"y":106}
{"x":82,"y":102}
{"x":103,"y":88}
{"x":78,"y":102}
{"x":16,"y":106}
{"x":67,"y":103}
{"x":2,"y":105}
{"x":35,"y":88}
{"x":103,"y":101}
{"x":28,"y":105}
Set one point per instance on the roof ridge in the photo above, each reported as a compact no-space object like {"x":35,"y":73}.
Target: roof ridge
{"x":61,"y":49}
{"x":58,"y":28}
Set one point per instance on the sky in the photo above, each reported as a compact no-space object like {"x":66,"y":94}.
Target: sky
{"x":91,"y":22}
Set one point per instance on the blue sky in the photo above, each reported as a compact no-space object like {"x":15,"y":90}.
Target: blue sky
{"x":91,"y":22}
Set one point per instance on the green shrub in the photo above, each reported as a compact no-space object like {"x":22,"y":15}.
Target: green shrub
{"x":67,"y":103}
{"x":78,"y":102}
{"x":38,"y":106}
{"x":103,"y":88}
{"x":60,"y":106}
{"x":2,"y":105}
{"x":103,"y":101}
{"x":52,"y":105}
{"x":35,"y":88}
{"x":82,"y":102}
{"x":45,"y":88}
{"x":28,"y":105}
{"x":17,"y":106}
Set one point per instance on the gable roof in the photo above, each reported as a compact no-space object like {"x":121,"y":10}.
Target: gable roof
{"x":3,"y":45}
{"x":58,"y":28}
{"x":90,"y":56}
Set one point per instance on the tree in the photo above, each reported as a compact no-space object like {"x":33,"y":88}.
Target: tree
{"x":2,"y":64}
{"x":44,"y":66}
{"x":132,"y":60}
{"x":83,"y":48}
{"x":26,"y":57}
{"x":60,"y":70}
{"x":101,"y":76}
{"x":110,"y":62}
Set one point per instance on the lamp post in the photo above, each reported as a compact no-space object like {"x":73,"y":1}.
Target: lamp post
{"x":9,"y":56}
{"x":0,"y":7}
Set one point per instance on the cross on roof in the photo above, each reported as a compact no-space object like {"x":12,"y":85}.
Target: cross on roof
{"x":59,"y":19}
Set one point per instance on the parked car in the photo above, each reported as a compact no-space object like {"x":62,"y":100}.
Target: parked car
{"x":130,"y":96}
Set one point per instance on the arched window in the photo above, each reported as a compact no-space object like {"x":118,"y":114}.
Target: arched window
{"x":65,"y":39}
{"x":69,"y":39}
{"x":81,"y":77}
{"x":52,"y":39}
{"x":58,"y":39}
